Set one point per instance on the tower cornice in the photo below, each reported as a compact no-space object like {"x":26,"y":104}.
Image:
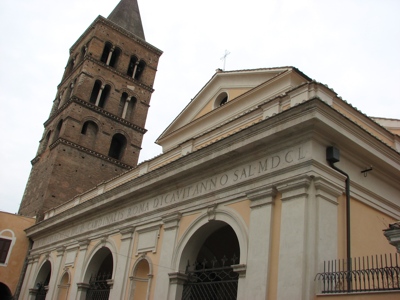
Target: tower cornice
{"x":108,"y":23}
{"x":86,"y":150}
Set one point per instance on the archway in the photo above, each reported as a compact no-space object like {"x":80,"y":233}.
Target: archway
{"x":63,"y":287}
{"x":99,"y":273}
{"x":42,"y":281}
{"x":141,"y":279}
{"x":210,"y":254}
{"x":5,"y":292}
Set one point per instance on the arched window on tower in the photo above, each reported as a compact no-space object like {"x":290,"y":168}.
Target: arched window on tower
{"x":114,"y":57}
{"x":126,"y":106}
{"x":68,"y":92}
{"x":132,"y":66}
{"x":139,"y":70}
{"x":106,"y":52}
{"x":83,"y":52}
{"x":57,"y":131}
{"x":117,"y":147}
{"x":89,"y":132}
{"x":122,"y":102}
{"x":130,"y":108}
{"x":104,"y":96}
{"x":95,"y":92}
{"x":99,"y":94}
{"x":45,"y":142}
{"x":110,"y":55}
{"x":70,"y":66}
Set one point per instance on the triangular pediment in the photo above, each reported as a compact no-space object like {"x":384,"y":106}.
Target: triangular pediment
{"x":214,"y":103}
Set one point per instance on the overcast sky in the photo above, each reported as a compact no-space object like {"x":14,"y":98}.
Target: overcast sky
{"x":352,"y":46}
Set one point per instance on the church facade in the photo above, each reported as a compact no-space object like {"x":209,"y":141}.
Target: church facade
{"x":247,"y":201}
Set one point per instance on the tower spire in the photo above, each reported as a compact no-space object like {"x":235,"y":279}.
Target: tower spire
{"x":126,"y":15}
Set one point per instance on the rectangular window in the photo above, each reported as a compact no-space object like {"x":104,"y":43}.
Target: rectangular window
{"x":4,"y":247}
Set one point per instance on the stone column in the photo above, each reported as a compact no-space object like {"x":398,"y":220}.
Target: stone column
{"x":126,"y":107}
{"x":135,"y":69}
{"x":77,"y":287}
{"x":53,"y":284}
{"x":99,"y":95}
{"x":109,"y":56}
{"x":171,"y":225}
{"x":259,"y":243}
{"x":121,"y":270}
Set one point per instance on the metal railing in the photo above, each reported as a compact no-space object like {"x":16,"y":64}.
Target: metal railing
{"x":372,"y":273}
{"x":99,"y":288}
{"x":213,"y":279}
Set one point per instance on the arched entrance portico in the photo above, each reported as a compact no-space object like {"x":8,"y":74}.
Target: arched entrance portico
{"x":211,"y":275}
{"x":39,"y":291}
{"x":202,"y":232}
{"x":98,"y":275}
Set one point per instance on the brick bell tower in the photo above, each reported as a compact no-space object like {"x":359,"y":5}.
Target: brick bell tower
{"x":96,"y":125}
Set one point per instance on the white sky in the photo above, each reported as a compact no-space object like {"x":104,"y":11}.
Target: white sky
{"x":353,"y":46}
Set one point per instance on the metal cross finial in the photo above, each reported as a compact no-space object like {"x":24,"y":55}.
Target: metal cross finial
{"x":224,"y":58}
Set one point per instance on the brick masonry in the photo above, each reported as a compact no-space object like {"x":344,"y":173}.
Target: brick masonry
{"x":71,"y":159}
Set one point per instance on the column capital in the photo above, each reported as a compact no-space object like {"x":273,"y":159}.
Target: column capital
{"x":60,"y":250}
{"x":261,"y":196}
{"x":171,"y":221}
{"x":294,"y":187}
{"x":83,"y":244}
{"x":82,"y":286}
{"x":127,"y":232}
{"x":327,"y":190}
{"x":240,"y":269}
{"x":177,"y":278}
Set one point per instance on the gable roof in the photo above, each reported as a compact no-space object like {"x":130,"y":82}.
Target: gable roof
{"x":234,"y":84}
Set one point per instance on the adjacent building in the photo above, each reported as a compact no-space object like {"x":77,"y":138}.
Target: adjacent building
{"x":14,"y":247}
{"x":248,"y":199}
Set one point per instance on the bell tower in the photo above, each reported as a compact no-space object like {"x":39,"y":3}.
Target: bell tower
{"x":97,"y":122}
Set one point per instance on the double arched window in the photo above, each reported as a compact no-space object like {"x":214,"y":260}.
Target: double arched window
{"x":126,"y":106}
{"x":135,"y":68}
{"x":110,"y":55}
{"x":100,"y":94}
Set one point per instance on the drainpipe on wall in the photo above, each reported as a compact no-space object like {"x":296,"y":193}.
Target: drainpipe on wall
{"x":333,"y":156}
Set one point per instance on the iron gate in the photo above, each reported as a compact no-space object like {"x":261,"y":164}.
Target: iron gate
{"x":41,"y":292}
{"x":98,"y":287}
{"x":216,"y":283}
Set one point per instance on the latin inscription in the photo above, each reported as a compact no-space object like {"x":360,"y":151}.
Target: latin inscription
{"x":245,"y":172}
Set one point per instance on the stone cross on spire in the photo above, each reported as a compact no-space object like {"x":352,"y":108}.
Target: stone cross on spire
{"x":126,"y":15}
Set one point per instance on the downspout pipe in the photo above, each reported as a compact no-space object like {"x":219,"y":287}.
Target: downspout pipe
{"x":333,"y":156}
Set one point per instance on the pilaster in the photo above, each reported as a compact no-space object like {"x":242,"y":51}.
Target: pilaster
{"x":79,"y":288}
{"x":293,"y":236}
{"x":53,"y":284}
{"x":121,"y":271}
{"x":29,"y":276}
{"x":171,"y":225}
{"x":176,"y":282}
{"x":259,"y":244}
